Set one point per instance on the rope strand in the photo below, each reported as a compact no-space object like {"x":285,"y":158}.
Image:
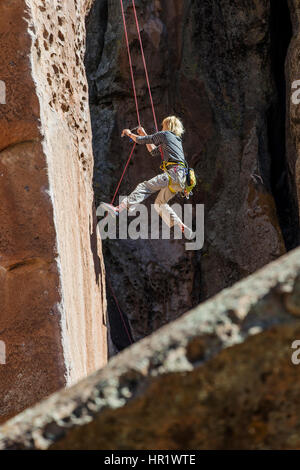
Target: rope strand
{"x":145,"y":65}
{"x":120,"y":311}
{"x":146,"y":71}
{"x":139,"y":122}
{"x":130,"y":63}
{"x":118,"y":187}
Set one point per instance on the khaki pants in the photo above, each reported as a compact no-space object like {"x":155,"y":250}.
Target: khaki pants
{"x":160,"y":183}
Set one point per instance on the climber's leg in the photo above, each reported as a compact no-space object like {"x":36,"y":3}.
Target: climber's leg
{"x":145,"y":189}
{"x":163,"y":209}
{"x":114,"y":210}
{"x":141,"y":192}
{"x":168,"y":215}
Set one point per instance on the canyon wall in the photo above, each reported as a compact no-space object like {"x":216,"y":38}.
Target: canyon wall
{"x":220,"y":67}
{"x":292,"y":121}
{"x":223,"y":372}
{"x":52,"y":287}
{"x":224,"y":376}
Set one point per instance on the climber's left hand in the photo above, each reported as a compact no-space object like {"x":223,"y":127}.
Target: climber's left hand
{"x":141,"y":131}
{"x":126,"y":132}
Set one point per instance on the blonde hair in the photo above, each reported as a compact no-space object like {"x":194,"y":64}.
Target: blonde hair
{"x":173,"y":124}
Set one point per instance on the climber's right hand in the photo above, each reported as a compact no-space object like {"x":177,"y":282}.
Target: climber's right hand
{"x":126,"y":132}
{"x":141,"y":131}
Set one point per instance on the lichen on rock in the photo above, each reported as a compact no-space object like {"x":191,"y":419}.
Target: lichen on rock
{"x":220,"y":377}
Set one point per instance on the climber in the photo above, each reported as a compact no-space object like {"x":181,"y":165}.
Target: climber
{"x":169,"y":183}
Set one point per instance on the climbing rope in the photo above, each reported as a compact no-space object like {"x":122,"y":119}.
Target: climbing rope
{"x":139,"y":123}
{"x":120,"y":311}
{"x":134,"y":85}
{"x":123,"y":174}
{"x":146,"y":71}
{"x":130,"y":63}
{"x":145,"y":65}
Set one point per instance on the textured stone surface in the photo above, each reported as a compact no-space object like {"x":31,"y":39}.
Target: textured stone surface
{"x":212,"y":64}
{"x":220,"y":377}
{"x":51,"y":270}
{"x":293,"y":110}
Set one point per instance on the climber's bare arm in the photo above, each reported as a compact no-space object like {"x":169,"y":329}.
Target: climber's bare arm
{"x":129,"y":134}
{"x":142,"y":133}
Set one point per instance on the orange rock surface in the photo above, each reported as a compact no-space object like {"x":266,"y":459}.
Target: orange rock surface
{"x":53,"y":308}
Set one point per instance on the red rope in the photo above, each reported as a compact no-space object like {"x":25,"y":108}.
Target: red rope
{"x":135,"y":98}
{"x":139,"y":122}
{"x":130,"y":63}
{"x":145,"y":65}
{"x":146,"y":71}
{"x":120,"y":311}
{"x":118,"y":187}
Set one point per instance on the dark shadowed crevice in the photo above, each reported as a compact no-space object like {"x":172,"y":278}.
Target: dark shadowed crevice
{"x":280,"y":36}
{"x":120,"y":330}
{"x":112,"y":106}
{"x":96,"y":25}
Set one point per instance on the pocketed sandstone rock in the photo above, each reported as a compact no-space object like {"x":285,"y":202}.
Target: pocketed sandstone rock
{"x":52,"y":288}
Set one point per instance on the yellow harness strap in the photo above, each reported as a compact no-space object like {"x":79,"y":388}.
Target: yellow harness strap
{"x":163,"y":167}
{"x":170,"y":186}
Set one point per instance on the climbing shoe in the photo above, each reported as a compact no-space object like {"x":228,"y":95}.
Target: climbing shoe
{"x":112,"y":210}
{"x":188,"y":233}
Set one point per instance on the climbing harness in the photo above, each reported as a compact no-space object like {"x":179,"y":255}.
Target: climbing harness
{"x":190,"y":176}
{"x":139,"y":125}
{"x":164,"y":167}
{"x":191,"y":179}
{"x":134,"y":86}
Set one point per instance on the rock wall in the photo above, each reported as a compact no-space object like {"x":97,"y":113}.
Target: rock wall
{"x":293,"y":110}
{"x":220,"y":377}
{"x":52,"y":284}
{"x":220,"y":66}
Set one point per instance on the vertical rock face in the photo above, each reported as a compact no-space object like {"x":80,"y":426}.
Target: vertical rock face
{"x":212,"y":64}
{"x":224,"y":376}
{"x":293,"y":109}
{"x":51,"y":269}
